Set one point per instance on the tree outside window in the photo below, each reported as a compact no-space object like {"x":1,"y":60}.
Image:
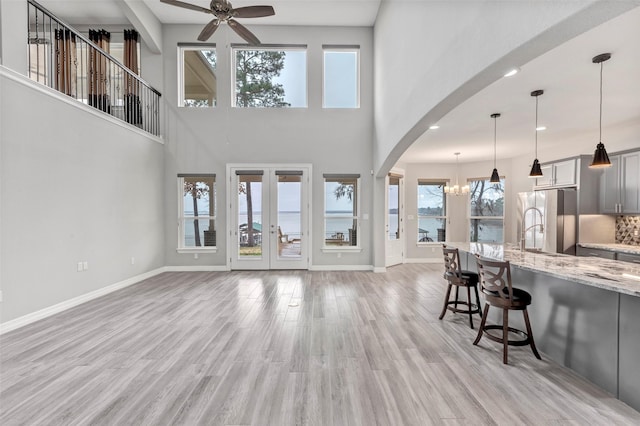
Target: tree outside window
{"x":432,"y":214}
{"x":486,"y":211}
{"x":197,"y":211}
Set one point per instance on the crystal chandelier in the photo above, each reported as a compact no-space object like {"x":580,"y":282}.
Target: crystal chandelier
{"x":456,"y":189}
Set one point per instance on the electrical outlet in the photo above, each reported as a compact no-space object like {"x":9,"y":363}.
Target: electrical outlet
{"x":133,"y":260}
{"x":79,"y":266}
{"x":85,"y":266}
{"x":339,"y":255}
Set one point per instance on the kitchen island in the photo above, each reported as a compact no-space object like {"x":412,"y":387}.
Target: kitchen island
{"x":585,"y":312}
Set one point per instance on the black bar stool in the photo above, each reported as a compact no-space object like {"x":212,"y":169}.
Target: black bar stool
{"x":459,"y":278}
{"x":495,"y":279}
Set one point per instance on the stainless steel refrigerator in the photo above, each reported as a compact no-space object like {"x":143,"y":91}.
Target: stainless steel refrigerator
{"x":548,"y":220}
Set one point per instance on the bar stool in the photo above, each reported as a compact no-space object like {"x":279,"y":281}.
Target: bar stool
{"x":459,"y":278}
{"x":495,"y":279}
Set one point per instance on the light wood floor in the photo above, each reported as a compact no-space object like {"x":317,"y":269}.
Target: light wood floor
{"x":283,"y":348}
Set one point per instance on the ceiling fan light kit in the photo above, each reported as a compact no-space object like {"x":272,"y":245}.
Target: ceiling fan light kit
{"x":600,"y":156}
{"x":495,"y":177}
{"x":536,"y":170}
{"x":224,"y":12}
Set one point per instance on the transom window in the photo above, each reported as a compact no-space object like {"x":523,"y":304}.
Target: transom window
{"x":341,"y":77}
{"x":198,"y":79}
{"x":270,"y":77}
{"x":341,"y":210}
{"x":486,"y":211}
{"x":197,"y":214}
{"x":432,"y":211}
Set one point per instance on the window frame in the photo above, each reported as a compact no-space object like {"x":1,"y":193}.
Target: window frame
{"x":270,"y":47}
{"x":182,"y":218}
{"x":355,"y":216}
{"x":182,"y":47}
{"x":442,"y":182}
{"x":496,"y":218}
{"x":341,"y":49}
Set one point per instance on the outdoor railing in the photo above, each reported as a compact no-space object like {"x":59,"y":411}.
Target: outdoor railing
{"x":65,"y":60}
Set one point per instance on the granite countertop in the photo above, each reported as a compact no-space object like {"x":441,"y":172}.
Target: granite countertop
{"x":613,"y":275}
{"x":620,"y":248}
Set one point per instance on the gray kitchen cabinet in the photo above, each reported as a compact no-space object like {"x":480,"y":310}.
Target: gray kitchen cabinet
{"x":620,"y":185}
{"x":627,"y":257}
{"x":560,"y":174}
{"x":606,"y":254}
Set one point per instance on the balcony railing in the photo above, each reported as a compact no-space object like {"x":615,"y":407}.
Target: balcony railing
{"x":65,"y":60}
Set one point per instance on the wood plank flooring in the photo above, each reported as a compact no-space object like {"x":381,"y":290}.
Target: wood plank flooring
{"x":283,"y":348}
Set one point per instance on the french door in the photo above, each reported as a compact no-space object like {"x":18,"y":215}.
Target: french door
{"x":394,"y":200}
{"x":269,"y":216}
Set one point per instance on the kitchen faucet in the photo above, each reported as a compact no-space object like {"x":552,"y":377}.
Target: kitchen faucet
{"x":524,"y":230}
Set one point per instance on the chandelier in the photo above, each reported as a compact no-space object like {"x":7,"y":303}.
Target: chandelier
{"x":456,"y":189}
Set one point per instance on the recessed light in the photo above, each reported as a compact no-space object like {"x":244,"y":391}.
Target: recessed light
{"x":541,"y":128}
{"x":512,"y":72}
{"x":434,"y":127}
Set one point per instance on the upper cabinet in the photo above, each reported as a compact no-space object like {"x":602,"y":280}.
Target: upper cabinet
{"x":620,"y":185}
{"x":560,"y":174}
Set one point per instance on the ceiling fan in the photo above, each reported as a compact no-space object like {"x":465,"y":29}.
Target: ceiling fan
{"x":224,"y":12}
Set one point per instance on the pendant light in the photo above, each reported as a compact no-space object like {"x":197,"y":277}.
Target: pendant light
{"x":600,"y":157}
{"x":536,"y":171}
{"x":456,"y":189}
{"x":495,"y":177}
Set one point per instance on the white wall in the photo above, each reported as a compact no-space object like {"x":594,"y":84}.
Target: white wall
{"x":75,"y":187}
{"x":204,"y":140}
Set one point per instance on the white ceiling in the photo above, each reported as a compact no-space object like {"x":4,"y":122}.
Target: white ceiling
{"x":569,"y":106}
{"x":288,"y":12}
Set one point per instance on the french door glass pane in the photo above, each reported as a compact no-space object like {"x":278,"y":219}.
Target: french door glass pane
{"x":250,"y":215}
{"x":289,"y":215}
{"x":394,"y":204}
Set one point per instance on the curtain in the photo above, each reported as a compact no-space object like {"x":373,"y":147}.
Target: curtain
{"x":99,"y":71}
{"x":66,"y":62}
{"x":132,"y":108}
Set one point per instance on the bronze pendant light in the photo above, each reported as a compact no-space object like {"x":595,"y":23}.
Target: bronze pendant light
{"x":600,"y":157}
{"x":495,"y":177}
{"x":536,"y":171}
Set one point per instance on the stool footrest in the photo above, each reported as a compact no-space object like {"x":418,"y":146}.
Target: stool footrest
{"x":522,"y":342}
{"x":475,"y":309}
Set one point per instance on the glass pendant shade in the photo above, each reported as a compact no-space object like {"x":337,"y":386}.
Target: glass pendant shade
{"x":600,"y":158}
{"x":536,"y":171}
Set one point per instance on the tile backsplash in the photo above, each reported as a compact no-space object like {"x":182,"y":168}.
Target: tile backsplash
{"x":628,"y":230}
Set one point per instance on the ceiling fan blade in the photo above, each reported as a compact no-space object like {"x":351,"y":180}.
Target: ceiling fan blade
{"x":243,"y":32}
{"x":253,"y":11}
{"x":209,"y":29}
{"x":186,"y":5}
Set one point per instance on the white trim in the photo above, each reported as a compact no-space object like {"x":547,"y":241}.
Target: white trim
{"x":341,"y":249}
{"x":202,"y":250}
{"x":423,"y":260}
{"x":341,"y":268}
{"x":26,"y":81}
{"x":379,"y":269}
{"x":67,"y":304}
{"x":197,"y":268}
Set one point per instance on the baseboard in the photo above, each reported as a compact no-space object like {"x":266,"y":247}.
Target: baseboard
{"x":197,"y":268}
{"x":379,"y":269}
{"x":341,"y":268}
{"x":5,"y":327}
{"x":424,"y":260}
